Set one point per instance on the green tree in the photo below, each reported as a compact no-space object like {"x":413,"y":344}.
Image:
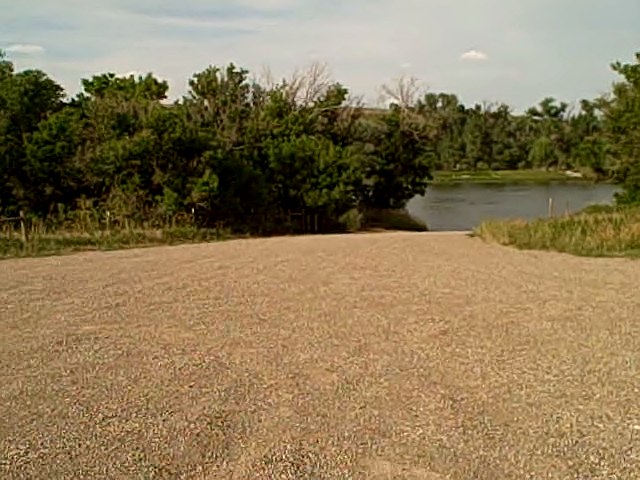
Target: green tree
{"x":52,"y":171}
{"x":622,"y":127}
{"x":400,"y":161}
{"x":26,"y":99}
{"x":549,"y":149}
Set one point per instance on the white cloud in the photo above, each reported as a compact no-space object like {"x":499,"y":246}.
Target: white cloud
{"x":25,"y":48}
{"x":475,"y":55}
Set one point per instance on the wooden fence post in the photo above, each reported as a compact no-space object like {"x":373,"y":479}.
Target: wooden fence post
{"x":550,"y":207}
{"x":23,"y":229}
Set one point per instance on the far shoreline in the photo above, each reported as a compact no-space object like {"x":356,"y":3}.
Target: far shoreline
{"x":514,"y":177}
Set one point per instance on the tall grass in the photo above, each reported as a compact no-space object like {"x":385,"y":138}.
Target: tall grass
{"x":72,"y":236}
{"x":89,"y":230}
{"x":598,"y":232}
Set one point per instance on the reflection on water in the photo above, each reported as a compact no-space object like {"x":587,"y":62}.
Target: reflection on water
{"x":464,"y":206}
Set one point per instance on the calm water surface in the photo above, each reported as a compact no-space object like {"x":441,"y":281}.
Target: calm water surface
{"x":464,"y":206}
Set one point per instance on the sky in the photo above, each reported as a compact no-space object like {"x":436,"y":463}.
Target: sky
{"x":513,"y":51}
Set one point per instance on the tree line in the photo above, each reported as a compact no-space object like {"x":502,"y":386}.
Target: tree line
{"x":249,"y":153}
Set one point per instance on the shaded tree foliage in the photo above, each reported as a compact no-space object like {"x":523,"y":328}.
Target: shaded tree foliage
{"x":622,"y":127}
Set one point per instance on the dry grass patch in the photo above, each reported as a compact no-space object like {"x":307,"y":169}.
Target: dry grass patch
{"x":61,"y":241}
{"x":612,"y":233}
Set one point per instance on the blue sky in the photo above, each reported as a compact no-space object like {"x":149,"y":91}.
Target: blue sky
{"x":516,"y":51}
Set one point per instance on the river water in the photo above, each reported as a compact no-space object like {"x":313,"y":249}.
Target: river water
{"x":464,"y":206}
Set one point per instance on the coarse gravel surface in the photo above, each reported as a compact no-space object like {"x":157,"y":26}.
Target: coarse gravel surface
{"x":372,"y":356}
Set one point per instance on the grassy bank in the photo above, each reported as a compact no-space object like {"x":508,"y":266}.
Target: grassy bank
{"x":601,"y":232}
{"x":46,"y":242}
{"x":508,"y":177}
{"x":68,"y":241}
